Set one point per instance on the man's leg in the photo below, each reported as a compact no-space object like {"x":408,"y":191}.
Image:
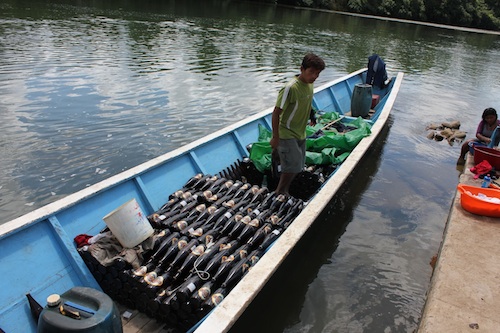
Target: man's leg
{"x":286,"y":179}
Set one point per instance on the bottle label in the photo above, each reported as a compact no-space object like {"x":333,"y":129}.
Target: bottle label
{"x":228,"y":215}
{"x":276,"y":232}
{"x":191,"y":287}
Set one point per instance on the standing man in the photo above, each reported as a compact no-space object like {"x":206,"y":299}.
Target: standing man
{"x":290,"y":116}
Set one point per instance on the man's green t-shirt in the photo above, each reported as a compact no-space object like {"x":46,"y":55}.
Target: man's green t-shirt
{"x":295,"y":100}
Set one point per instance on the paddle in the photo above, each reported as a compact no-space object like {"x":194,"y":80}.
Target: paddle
{"x":327,"y":125}
{"x":331,"y":123}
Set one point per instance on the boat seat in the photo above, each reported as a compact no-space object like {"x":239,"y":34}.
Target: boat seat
{"x":375,"y":100}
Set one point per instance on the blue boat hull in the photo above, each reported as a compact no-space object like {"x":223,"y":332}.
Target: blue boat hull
{"x":38,"y":252}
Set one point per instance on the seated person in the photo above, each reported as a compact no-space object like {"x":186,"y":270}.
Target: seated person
{"x":483,"y":133}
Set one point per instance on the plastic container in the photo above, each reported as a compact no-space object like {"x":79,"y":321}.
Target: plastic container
{"x":129,"y":224}
{"x":85,"y":310}
{"x":491,"y":155}
{"x":473,"y":204}
{"x":486,"y":182}
{"x":361,"y":100}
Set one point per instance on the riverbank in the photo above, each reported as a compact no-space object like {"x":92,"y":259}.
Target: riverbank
{"x":392,"y":19}
{"x":464,"y":291}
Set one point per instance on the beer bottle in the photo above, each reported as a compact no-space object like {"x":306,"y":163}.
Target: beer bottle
{"x":226,"y":264}
{"x":193,"y":180}
{"x":172,"y":208}
{"x":224,"y":187}
{"x":250,"y":193}
{"x":169,"y":304}
{"x":189,"y":227}
{"x":183,"y":253}
{"x":215,"y":299}
{"x":188,"y":263}
{"x":249,"y":230}
{"x":236,"y":273}
{"x":259,"y":235}
{"x":217,"y":215}
{"x":201,"y":182}
{"x":208,"y":183}
{"x":170,"y":221}
{"x":162,"y":280}
{"x":197,"y":211}
{"x":270,"y":238}
{"x":135,"y":275}
{"x":172,"y":252}
{"x":209,"y":236}
{"x":254,"y":256}
{"x":268,"y":200}
{"x":216,"y":184}
{"x":259,"y":195}
{"x":241,"y":252}
{"x":231,"y":222}
{"x":234,"y":188}
{"x":163,"y":247}
{"x":292,"y":214}
{"x":208,"y":255}
{"x":222,"y":220}
{"x":154,"y":304}
{"x":205,"y":214}
{"x":185,"y":290}
{"x":201,"y":295}
{"x":213,"y":265}
{"x":181,"y":225}
{"x":238,"y":226}
{"x":241,"y":190}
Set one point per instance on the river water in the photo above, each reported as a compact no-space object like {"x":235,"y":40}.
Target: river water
{"x":91,"y":88}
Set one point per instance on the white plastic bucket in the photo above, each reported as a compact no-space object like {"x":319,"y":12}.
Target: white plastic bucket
{"x":129,"y":224}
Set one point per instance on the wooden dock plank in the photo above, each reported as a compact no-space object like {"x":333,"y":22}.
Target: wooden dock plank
{"x":140,"y":322}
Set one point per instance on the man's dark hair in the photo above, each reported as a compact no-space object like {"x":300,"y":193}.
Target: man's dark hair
{"x":314,"y":61}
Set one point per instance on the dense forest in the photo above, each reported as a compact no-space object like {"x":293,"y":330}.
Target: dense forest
{"x":482,"y":14}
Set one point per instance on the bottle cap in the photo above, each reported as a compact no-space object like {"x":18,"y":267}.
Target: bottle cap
{"x":53,"y":300}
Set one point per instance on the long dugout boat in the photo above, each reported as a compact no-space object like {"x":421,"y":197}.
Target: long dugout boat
{"x":38,"y":252}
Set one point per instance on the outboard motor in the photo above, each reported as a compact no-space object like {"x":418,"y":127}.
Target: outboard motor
{"x":377,"y":74}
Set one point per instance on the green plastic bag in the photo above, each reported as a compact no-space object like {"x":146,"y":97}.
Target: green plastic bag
{"x":344,"y":142}
{"x":260,"y":154}
{"x":319,"y":151}
{"x":265,"y":135}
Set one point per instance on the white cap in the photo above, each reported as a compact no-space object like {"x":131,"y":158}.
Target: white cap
{"x":53,"y":300}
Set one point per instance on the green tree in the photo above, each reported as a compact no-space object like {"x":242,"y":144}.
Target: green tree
{"x":483,"y":14}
